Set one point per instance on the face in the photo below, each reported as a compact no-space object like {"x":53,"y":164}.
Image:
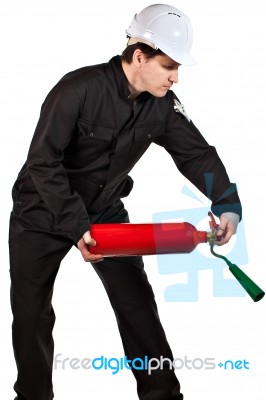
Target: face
{"x":157,"y":75}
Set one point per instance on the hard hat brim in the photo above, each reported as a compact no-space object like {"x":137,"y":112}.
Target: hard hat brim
{"x":179,"y":57}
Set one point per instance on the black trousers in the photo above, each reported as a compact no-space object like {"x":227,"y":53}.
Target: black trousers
{"x":35,"y":258}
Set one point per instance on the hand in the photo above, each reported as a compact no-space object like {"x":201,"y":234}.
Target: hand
{"x":83,"y":244}
{"x":225,"y":231}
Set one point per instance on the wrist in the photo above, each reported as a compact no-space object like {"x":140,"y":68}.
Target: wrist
{"x":232,"y":217}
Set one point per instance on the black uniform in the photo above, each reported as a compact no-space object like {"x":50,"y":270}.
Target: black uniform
{"x":88,"y":138}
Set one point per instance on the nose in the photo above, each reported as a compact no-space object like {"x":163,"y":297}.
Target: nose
{"x":174,"y":76}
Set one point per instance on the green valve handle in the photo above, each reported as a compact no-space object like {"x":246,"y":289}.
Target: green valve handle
{"x":255,"y":292}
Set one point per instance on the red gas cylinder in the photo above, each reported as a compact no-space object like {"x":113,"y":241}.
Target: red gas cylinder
{"x":145,"y":239}
{"x":162,"y":238}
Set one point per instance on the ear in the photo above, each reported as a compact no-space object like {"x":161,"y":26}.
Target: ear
{"x":138,"y":58}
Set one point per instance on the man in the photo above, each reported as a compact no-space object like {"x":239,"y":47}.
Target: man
{"x":94,"y":126}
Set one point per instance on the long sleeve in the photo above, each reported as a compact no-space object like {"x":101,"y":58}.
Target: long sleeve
{"x":199,"y":163}
{"x":53,"y":134}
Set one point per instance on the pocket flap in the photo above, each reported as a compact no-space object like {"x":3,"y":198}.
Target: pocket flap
{"x":149,"y":132}
{"x":96,"y":131}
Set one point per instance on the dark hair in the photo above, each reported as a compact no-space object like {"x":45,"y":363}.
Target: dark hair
{"x":147,"y":50}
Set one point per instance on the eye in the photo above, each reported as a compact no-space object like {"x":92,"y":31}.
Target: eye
{"x":171,"y":67}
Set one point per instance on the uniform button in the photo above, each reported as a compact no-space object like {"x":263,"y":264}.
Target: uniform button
{"x":149,"y":135}
{"x":91,"y":134}
{"x":100,"y":186}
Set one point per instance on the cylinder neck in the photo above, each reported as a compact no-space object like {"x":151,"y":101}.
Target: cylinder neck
{"x":202,"y":237}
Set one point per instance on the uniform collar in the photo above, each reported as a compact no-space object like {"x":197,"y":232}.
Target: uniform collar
{"x":121,"y":80}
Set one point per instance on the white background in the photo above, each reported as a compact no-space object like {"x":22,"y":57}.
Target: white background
{"x":225,"y":96}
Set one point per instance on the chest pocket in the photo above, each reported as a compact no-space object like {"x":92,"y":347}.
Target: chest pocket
{"x":93,"y":131}
{"x":93,"y":140}
{"x":148,"y":132}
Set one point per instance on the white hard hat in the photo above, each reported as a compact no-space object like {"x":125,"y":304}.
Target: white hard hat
{"x":166,"y":28}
